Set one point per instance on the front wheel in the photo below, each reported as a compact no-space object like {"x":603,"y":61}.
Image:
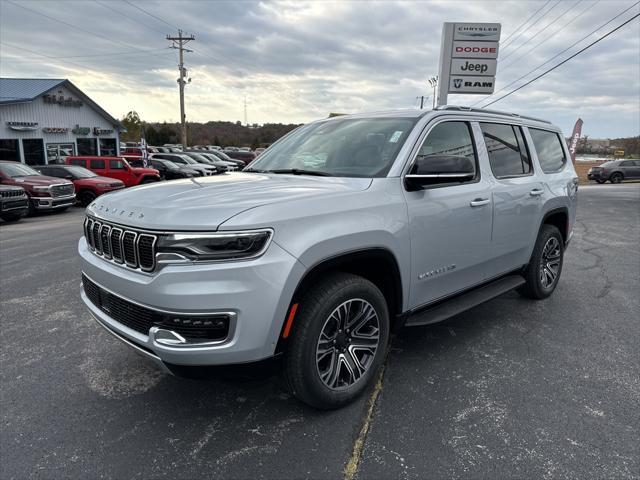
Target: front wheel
{"x":543,"y":272}
{"x":338,"y":342}
{"x":600,"y":181}
{"x":86,"y":197}
{"x":148,"y":180}
{"x":11,"y":217}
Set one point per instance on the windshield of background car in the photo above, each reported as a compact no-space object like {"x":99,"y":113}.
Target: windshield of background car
{"x":80,"y":172}
{"x":17,"y":170}
{"x":350,"y":147}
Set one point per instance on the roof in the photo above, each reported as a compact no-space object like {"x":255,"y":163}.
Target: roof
{"x":23,"y":90}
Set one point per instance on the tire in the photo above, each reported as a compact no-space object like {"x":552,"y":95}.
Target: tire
{"x":601,"y":181}
{"x":11,"y":217}
{"x":540,"y":275}
{"x":148,"y":180}
{"x":321,"y":356}
{"x":86,"y":197}
{"x":616,"y":177}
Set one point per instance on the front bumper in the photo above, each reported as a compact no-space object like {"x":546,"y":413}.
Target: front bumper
{"x":255,"y":292}
{"x":53,"y":203}
{"x":14,"y":205}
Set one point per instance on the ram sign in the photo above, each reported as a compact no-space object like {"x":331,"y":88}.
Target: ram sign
{"x":468,"y":59}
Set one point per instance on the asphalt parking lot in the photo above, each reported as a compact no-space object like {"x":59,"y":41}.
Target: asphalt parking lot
{"x":511,"y":389}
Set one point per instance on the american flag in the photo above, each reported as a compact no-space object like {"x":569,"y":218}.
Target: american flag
{"x":143,"y":149}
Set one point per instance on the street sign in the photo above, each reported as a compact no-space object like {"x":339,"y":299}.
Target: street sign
{"x":468,"y":59}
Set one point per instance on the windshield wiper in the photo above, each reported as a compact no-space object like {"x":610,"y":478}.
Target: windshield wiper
{"x":253,"y":170}
{"x":298,"y":171}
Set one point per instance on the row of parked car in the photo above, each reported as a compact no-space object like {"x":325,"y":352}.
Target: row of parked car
{"x":27,"y":189}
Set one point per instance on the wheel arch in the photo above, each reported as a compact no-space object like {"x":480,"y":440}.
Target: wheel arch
{"x":559,"y":218}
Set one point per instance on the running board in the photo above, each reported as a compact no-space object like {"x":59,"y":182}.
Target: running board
{"x":460,"y":303}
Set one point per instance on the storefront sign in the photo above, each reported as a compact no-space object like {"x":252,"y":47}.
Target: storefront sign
{"x":22,"y":126}
{"x":102,"y":131}
{"x":81,"y":130}
{"x":61,"y":100}
{"x":55,"y":130}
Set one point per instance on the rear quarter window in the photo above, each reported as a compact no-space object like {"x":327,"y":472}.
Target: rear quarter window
{"x":79,"y":162}
{"x":97,"y":164}
{"x":549,"y":149}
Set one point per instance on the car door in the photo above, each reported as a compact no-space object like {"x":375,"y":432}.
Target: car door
{"x":450,"y":224}
{"x":99,"y":166}
{"x":629,"y":169}
{"x":118,"y":169}
{"x":517,"y":195}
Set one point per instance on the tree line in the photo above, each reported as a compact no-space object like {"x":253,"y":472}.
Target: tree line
{"x":210,"y":133}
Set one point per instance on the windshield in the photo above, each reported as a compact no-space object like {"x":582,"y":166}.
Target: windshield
{"x":350,"y":147}
{"x":81,"y":172}
{"x":189,"y":160}
{"x":199,"y":157}
{"x":170,"y":165}
{"x":221,"y":155}
{"x":17,"y":170}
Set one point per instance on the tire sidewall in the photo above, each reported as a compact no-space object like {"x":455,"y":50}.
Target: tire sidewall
{"x":547,"y":233}
{"x":323,"y":396}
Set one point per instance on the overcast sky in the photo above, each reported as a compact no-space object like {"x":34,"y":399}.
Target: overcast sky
{"x":298,"y":61}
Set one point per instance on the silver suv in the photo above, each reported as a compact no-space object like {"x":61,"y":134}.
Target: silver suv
{"x":341,"y":230}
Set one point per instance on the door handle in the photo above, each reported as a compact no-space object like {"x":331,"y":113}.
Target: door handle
{"x":536,"y":191}
{"x":478,"y":202}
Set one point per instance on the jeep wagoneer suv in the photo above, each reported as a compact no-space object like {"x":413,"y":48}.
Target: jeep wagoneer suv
{"x":341,"y":230}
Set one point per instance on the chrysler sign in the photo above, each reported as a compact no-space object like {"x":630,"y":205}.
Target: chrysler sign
{"x":468,"y":59}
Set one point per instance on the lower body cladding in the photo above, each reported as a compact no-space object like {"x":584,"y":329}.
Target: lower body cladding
{"x":198,"y":314}
{"x":52,"y":203}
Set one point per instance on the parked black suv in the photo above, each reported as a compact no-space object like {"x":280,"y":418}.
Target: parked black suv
{"x":14,"y":203}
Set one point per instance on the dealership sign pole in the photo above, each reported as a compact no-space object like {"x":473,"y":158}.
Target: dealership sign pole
{"x":468,"y":59}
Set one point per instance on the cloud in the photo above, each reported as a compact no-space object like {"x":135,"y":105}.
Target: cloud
{"x":297,"y":61}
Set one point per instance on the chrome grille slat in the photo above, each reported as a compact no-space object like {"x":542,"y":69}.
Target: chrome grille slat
{"x":121,"y":245}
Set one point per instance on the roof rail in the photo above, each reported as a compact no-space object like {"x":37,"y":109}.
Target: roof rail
{"x":494,"y":112}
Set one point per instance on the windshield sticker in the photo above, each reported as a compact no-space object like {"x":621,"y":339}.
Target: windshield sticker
{"x":396,"y":136}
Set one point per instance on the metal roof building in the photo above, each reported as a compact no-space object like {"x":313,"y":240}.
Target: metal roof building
{"x":44,"y":120}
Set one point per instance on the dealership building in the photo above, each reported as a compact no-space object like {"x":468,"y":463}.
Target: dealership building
{"x":44,"y":120}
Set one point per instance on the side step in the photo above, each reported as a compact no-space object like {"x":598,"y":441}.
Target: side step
{"x":458,"y":304}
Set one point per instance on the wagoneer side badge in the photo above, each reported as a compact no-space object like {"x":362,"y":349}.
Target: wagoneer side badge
{"x":435,"y":272}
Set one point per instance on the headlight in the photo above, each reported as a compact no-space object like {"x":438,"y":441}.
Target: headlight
{"x":214,"y":246}
{"x":104,"y":185}
{"x":41,"y":189}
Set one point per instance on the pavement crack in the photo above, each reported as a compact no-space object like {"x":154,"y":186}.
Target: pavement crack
{"x":351,"y":468}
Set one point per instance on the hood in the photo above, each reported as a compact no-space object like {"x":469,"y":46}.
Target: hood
{"x":142,"y":170}
{"x":97,"y":180}
{"x":39,"y":180}
{"x":206,"y":202}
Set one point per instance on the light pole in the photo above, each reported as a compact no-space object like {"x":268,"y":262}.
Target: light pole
{"x":433,"y":81}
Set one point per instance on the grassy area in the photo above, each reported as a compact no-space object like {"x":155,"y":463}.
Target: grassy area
{"x":582,"y":168}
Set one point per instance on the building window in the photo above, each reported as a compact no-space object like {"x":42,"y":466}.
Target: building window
{"x":87,"y":146}
{"x":56,"y":152}
{"x":10,"y":150}
{"x":108,"y":147}
{"x":33,"y":151}
{"x":507,"y":151}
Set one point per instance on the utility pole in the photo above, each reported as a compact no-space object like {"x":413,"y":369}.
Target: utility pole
{"x":246,"y":122}
{"x":433,"y":81}
{"x":178,"y":43}
{"x":421,"y":97}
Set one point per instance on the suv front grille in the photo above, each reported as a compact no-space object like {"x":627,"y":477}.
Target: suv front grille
{"x":134,"y":249}
{"x":62,"y":190}
{"x":12,"y":193}
{"x":214,"y":327}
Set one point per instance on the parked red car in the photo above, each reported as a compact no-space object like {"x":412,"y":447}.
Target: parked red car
{"x":116,"y":167}
{"x":45,"y":193}
{"x":88,"y":185}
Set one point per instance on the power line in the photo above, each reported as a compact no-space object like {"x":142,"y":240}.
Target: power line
{"x":558,"y":54}
{"x":76,"y":27}
{"x":506,"y":44}
{"x":506,"y":40}
{"x":540,"y":31}
{"x":128,"y":17}
{"x":562,"y":28}
{"x":564,"y":61}
{"x":173,"y":27}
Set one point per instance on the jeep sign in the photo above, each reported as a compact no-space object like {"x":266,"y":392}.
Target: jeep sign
{"x":475,"y":66}
{"x":468,"y":59}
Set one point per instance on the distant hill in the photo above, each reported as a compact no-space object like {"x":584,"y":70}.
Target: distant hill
{"x":218,"y":133}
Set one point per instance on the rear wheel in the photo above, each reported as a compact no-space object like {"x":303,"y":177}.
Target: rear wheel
{"x":338,"y":342}
{"x":616,"y":177}
{"x":600,"y":181}
{"x":543,"y":272}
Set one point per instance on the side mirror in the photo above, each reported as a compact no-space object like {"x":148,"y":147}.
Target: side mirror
{"x":439,"y":169}
{"x":69,"y":177}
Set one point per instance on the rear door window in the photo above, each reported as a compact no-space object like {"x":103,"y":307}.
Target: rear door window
{"x":78,"y":162}
{"x":96,"y":164}
{"x":508,"y":155}
{"x":549,"y":149}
